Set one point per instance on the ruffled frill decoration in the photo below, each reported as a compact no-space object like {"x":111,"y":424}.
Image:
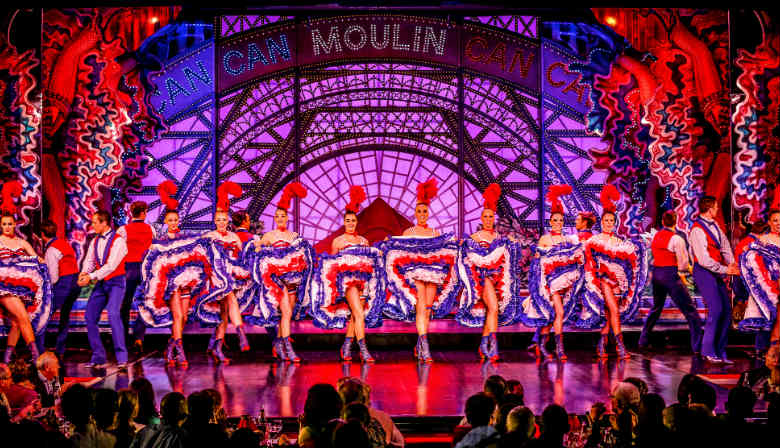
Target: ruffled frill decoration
{"x":760,"y":268}
{"x":27,"y":279}
{"x":621,"y":265}
{"x":358,"y":266}
{"x":228,"y":269}
{"x":498,"y":262}
{"x":186,"y":263}
{"x":558,"y":269}
{"x":275,"y":269}
{"x":428,"y":259}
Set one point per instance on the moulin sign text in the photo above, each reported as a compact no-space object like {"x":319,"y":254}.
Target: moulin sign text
{"x":262,"y":51}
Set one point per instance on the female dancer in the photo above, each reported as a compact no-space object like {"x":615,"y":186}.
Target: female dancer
{"x":16,"y":290}
{"x":584,"y":225}
{"x":172,"y":266}
{"x":289,"y":274}
{"x":356,"y":328}
{"x":430,"y":273}
{"x":484,"y":270}
{"x":760,"y":265}
{"x":558,"y":267}
{"x":230,"y":309}
{"x":605,"y":282}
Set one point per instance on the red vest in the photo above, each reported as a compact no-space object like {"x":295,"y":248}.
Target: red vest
{"x":243,"y":235}
{"x":120,"y":269}
{"x":139,"y":238}
{"x":68,"y":264}
{"x":662,"y":256}
{"x":713,"y":248}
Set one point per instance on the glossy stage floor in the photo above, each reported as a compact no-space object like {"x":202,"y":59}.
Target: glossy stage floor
{"x":402,"y":387}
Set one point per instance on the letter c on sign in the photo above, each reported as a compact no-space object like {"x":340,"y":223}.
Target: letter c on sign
{"x":473,"y":42}
{"x":552,"y":67}
{"x":226,"y":62}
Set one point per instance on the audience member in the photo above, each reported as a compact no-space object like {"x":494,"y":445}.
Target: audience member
{"x":555,"y":425}
{"x":77,"y":409}
{"x":359,"y":411}
{"x":355,"y":390}
{"x":739,"y":407}
{"x":651,"y":431}
{"x":351,"y":434}
{"x":147,"y":409}
{"x":495,"y":388}
{"x":640,"y":384}
{"x":765,"y":379}
{"x":244,"y":438}
{"x":703,"y":393}
{"x":199,"y":426}
{"x":320,"y":417}
{"x":220,"y":416}
{"x":106,"y":406}
{"x":168,"y":433}
{"x":47,"y":378}
{"x":21,"y":400}
{"x":126,"y":427}
{"x":479,"y":409}
{"x":520,"y":427}
{"x":515,"y":387}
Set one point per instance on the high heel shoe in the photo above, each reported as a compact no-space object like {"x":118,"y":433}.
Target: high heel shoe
{"x":484,"y":348}
{"x":217,"y":354}
{"x":365,"y":355}
{"x":601,"y":347}
{"x":493,"y":350}
{"x":425,"y":351}
{"x":181,"y":358}
{"x":346,"y":350}
{"x":559,"y":348}
{"x":170,"y":352}
{"x":212,"y":341}
{"x":543,"y":341}
{"x":621,"y":347}
{"x":243,"y":342}
{"x":277,"y":349}
{"x":289,"y":352}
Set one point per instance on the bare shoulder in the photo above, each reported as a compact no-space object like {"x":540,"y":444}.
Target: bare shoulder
{"x":408,"y":232}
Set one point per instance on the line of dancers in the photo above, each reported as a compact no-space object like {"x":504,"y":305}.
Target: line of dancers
{"x":222,"y":277}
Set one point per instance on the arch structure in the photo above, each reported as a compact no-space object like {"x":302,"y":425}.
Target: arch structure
{"x":382,"y":101}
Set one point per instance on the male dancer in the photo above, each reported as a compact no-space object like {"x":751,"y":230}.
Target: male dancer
{"x":139,"y":236}
{"x":670,"y":263}
{"x":104,"y":265}
{"x":712,"y":260}
{"x":63,"y":269}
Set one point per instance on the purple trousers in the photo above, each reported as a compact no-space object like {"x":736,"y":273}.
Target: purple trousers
{"x":716,"y":297}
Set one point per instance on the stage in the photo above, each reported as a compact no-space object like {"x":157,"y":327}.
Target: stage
{"x":402,"y":387}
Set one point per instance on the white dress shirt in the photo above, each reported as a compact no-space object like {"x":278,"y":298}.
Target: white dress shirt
{"x":115,"y":256}
{"x":698,"y":240}
{"x":53,"y":257}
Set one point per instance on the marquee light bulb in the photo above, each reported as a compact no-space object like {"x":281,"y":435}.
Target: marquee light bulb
{"x":154,"y":19}
{"x":611,"y":20}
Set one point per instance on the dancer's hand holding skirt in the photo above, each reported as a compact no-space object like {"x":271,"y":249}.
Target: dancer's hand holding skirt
{"x":500,"y":263}
{"x":28,"y":279}
{"x":622,"y":266}
{"x":558,"y":269}
{"x":760,"y":268}
{"x":427,"y":259}
{"x":273,"y":270}
{"x":230,"y":271}
{"x":359,"y":266}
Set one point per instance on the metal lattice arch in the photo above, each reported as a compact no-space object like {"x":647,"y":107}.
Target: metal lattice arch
{"x":386,"y":125}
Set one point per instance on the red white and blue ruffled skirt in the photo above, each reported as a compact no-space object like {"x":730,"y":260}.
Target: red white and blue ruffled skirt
{"x":233,"y":275}
{"x":273,"y":270}
{"x":558,"y":269}
{"x":622,"y":266}
{"x":428,"y":259}
{"x":185,"y":264}
{"x":28,"y":279}
{"x":359,"y":266}
{"x":760,"y":268}
{"x":499,"y":262}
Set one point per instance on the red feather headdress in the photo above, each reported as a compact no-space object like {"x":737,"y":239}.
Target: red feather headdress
{"x":227,"y":189}
{"x":609,"y":194}
{"x":491,"y":195}
{"x":295,"y":189}
{"x":10,"y":192}
{"x":356,"y":196}
{"x":553,"y":193}
{"x":426,"y":191}
{"x":166,"y":190}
